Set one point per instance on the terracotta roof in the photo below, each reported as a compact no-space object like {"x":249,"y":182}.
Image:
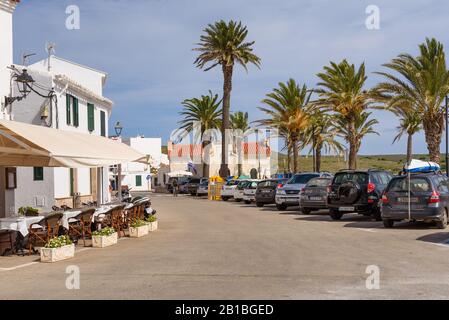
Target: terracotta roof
{"x":195,"y":150}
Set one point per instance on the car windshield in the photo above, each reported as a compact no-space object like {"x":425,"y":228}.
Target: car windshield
{"x":243,"y":184}
{"x":416,"y":185}
{"x":268,"y":183}
{"x":318,"y":182}
{"x":252,"y":185}
{"x":232,"y":183}
{"x":381,"y":177}
{"x":302,"y":178}
{"x":357,"y":177}
{"x":194,"y":181}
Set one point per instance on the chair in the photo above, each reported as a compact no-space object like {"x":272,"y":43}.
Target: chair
{"x":7,"y":242}
{"x":81,"y":225}
{"x":118,"y":221}
{"x":40,"y":233}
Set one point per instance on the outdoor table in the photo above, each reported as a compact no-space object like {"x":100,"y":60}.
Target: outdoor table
{"x":19,"y":224}
{"x":67,"y":215}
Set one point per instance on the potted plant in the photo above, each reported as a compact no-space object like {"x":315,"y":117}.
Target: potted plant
{"x":28,"y":211}
{"x":152,"y":223}
{"x":57,"y":249}
{"x":104,"y":238}
{"x":138,"y":229}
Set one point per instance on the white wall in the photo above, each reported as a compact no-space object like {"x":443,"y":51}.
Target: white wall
{"x":84,"y":181}
{"x":62,"y":182}
{"x":38,"y":194}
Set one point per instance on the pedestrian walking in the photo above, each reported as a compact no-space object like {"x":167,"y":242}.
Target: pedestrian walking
{"x":175,"y":188}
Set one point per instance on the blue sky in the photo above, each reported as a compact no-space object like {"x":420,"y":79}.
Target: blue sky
{"x":145,"y":47}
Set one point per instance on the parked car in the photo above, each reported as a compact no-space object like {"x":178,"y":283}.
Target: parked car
{"x":357,"y":191}
{"x":193,"y":184}
{"x":180,"y":180}
{"x":203,"y":188}
{"x":227,"y":191}
{"x":238,"y":193}
{"x":429,"y":199}
{"x":314,"y":195}
{"x":249,"y":192}
{"x":289,"y":194}
{"x":266,"y":191}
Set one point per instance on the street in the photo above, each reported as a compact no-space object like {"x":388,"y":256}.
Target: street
{"x":218,"y":250}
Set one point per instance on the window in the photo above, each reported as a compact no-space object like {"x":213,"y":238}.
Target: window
{"x":90,"y":117}
{"x":103,"y":123}
{"x":416,"y":185}
{"x":38,"y":174}
{"x":72,"y":111}
{"x":138,"y":181}
{"x":302,"y":178}
{"x":357,"y":177}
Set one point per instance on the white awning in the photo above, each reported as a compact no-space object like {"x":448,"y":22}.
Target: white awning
{"x":25,"y":145}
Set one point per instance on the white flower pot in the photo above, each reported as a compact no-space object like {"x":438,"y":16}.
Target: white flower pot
{"x":138,"y":232}
{"x":152,"y":226}
{"x":57,"y":254}
{"x":104,"y":241}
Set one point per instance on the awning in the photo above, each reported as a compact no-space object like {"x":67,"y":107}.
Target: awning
{"x":25,"y":145}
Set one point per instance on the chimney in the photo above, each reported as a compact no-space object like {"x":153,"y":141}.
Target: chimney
{"x":6,"y":44}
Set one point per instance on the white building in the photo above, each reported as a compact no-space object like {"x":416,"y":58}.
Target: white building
{"x":138,"y":176}
{"x":79,"y":106}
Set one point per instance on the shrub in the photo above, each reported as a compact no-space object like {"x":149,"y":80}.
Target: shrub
{"x":59,"y":242}
{"x":138,"y":223}
{"x":106,"y":232}
{"x":151,"y":218}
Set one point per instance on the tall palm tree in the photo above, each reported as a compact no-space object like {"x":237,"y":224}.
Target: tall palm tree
{"x":239,"y":121}
{"x":357,"y":130}
{"x":421,"y":82}
{"x":321,"y":134}
{"x":341,"y":91}
{"x":207,"y":112}
{"x":410,"y":124}
{"x":288,"y":110}
{"x":224,"y":43}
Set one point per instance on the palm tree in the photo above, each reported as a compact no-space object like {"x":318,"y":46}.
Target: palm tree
{"x":288,"y":110}
{"x":321,"y":134}
{"x":421,"y":82}
{"x":410,"y":124}
{"x":207,"y":112}
{"x":239,"y":121}
{"x":355,"y":131}
{"x":224,"y":43}
{"x":341,"y":91}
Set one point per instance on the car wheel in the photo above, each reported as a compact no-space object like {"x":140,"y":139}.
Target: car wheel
{"x":443,"y":223}
{"x":225,"y":199}
{"x":335,"y":214}
{"x":388,"y":223}
{"x":238,"y":200}
{"x":306,"y":210}
{"x":247,"y":202}
{"x":259,"y":205}
{"x":281,"y":207}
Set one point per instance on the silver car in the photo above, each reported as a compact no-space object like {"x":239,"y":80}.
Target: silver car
{"x":290,"y":194}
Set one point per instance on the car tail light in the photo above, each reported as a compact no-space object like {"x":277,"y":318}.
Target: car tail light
{"x":371,"y":187}
{"x":302,"y":190}
{"x":329,"y":188}
{"x":280,"y":185}
{"x":384,"y":199}
{"x":434,"y":198}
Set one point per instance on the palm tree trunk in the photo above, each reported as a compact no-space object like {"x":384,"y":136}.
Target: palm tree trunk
{"x":352,"y":161}
{"x":433,"y":129}
{"x":318,"y":149}
{"x":409,"y":148}
{"x":206,"y":159}
{"x":289,"y":157}
{"x":227,"y":88}
{"x":295,"y":155}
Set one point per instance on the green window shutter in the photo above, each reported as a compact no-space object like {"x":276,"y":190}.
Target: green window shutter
{"x":38,"y":174}
{"x":68,"y":99}
{"x":138,"y":181}
{"x":76,"y":118}
{"x":90,"y":117}
{"x":72,"y":182}
{"x":103,"y":123}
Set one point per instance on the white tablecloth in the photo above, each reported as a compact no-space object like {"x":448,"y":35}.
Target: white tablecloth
{"x":20,"y":224}
{"x":66,"y":216}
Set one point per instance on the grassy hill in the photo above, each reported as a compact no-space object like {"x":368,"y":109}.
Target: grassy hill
{"x":393,"y":163}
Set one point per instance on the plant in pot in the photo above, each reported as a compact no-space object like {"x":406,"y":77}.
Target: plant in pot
{"x":152,"y":223}
{"x":57,"y":249}
{"x":28,"y":212}
{"x":138,"y":229}
{"x":104,"y":238}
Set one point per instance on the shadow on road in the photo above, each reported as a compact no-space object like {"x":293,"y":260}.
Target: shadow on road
{"x":439,"y":237}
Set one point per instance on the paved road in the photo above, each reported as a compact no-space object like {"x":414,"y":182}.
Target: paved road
{"x":217,"y":250}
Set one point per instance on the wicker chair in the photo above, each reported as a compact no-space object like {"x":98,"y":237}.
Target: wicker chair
{"x":81,"y":225}
{"x":40,"y":233}
{"x":118,"y":221}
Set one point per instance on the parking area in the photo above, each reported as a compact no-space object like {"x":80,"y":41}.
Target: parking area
{"x":229,"y":250}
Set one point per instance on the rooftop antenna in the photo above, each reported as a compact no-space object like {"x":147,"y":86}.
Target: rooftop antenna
{"x":25,"y":58}
{"x":50,"y":47}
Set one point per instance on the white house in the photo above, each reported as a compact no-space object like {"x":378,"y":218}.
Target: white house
{"x":78,"y":105}
{"x":138,"y":176}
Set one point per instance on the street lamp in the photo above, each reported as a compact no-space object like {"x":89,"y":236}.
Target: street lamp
{"x":24,"y":81}
{"x":447,"y":136}
{"x":118,"y":129}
